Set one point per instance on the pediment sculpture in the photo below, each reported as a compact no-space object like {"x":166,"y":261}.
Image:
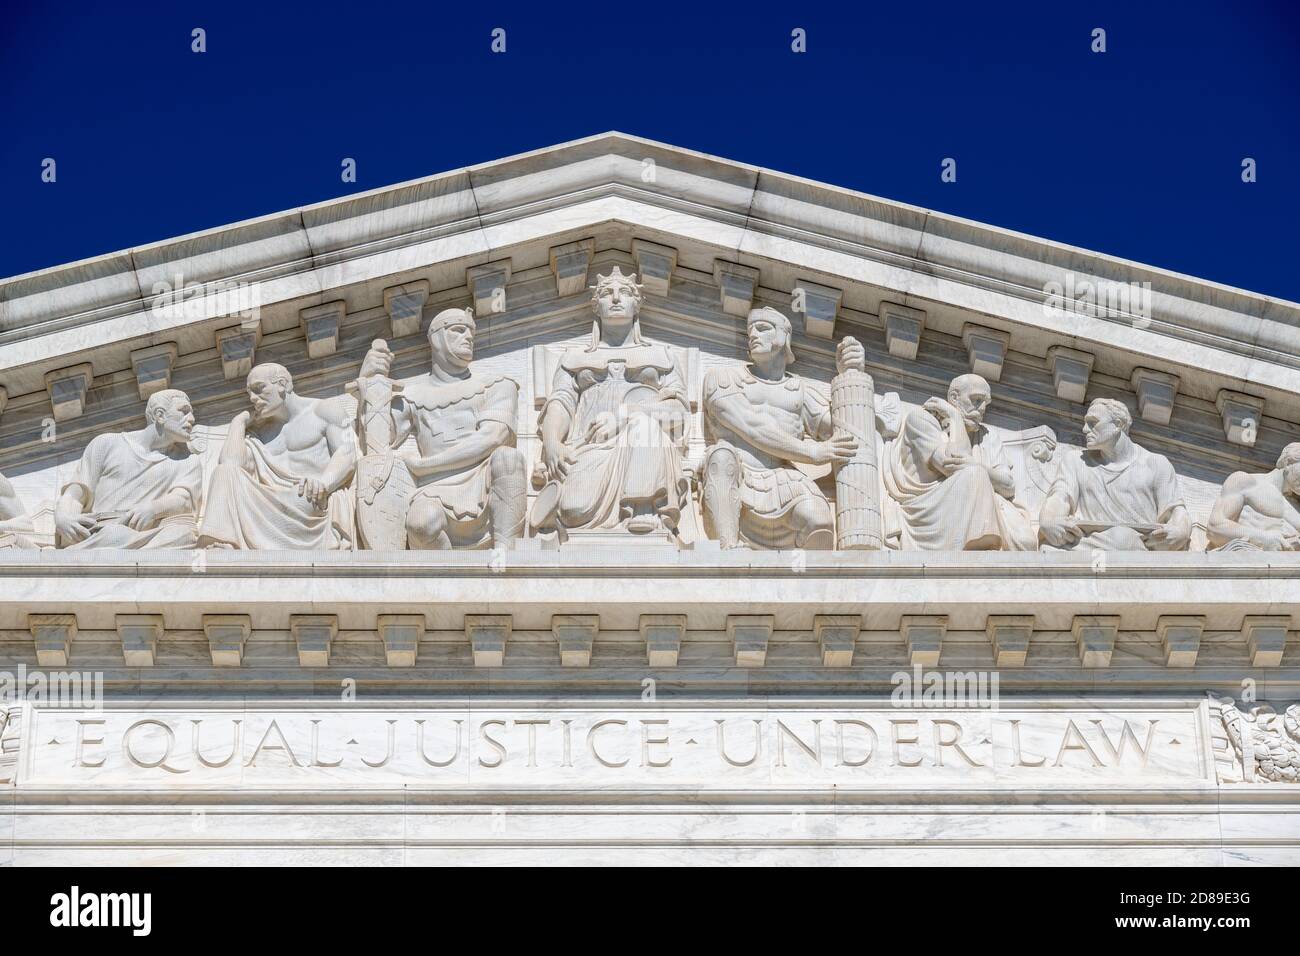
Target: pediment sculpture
{"x":464,"y":486}
{"x":781,"y":461}
{"x":613,"y":429}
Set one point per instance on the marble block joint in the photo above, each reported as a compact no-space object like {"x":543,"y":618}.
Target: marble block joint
{"x":903,"y":327}
{"x":488,"y":635}
{"x":836,"y":636}
{"x":227,"y":635}
{"x":1266,"y":638}
{"x":487,"y":286}
{"x":1180,"y":638}
{"x":405,"y":305}
{"x":320,"y":324}
{"x":737,"y":285}
{"x":923,"y":635}
{"x":1241,"y":416}
{"x":67,"y":388}
{"x":153,"y":368}
{"x":654,"y":266}
{"x":1070,"y":371}
{"x":821,"y":306}
{"x":750,"y":635}
{"x":237,"y":347}
{"x":314,"y":634}
{"x":569,"y":264}
{"x":1155,"y":394}
{"x":575,"y":633}
{"x":1095,"y":638}
{"x":986,"y":349}
{"x":401,"y":634}
{"x":1010,"y":635}
{"x":663,"y":634}
{"x":53,"y":635}
{"x":139,"y":634}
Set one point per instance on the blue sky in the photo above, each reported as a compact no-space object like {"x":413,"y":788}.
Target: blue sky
{"x":1135,"y":152}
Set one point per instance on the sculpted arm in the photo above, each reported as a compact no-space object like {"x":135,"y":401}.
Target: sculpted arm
{"x":1224,"y":525}
{"x":764,"y":432}
{"x":233,"y":450}
{"x":1056,"y":525}
{"x":13,"y":517}
{"x":494,"y":429}
{"x":342,"y":444}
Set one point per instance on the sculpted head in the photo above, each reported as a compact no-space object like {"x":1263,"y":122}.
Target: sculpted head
{"x":269,"y":386}
{"x":451,"y":337}
{"x":970,"y":394}
{"x":768,"y":332}
{"x":1105,"y":424}
{"x":616,"y":299}
{"x":1289,"y":463}
{"x":169,"y":412}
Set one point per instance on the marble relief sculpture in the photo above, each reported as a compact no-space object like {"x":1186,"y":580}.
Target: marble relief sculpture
{"x":470,"y":480}
{"x":15,"y":525}
{"x":951,"y":479}
{"x":1272,"y":739}
{"x":760,"y":421}
{"x":1260,"y":512}
{"x":1114,"y":495}
{"x":282,"y":479}
{"x":139,"y":489}
{"x":613,"y":426}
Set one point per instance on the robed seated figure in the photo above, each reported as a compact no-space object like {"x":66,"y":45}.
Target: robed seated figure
{"x":1114,"y":495}
{"x":950,"y":478}
{"x":139,"y":489}
{"x":613,"y":426}
{"x":281,"y":482}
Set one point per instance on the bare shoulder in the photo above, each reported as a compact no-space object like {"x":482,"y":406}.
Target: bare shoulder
{"x":333,"y":411}
{"x":1238,"y":482}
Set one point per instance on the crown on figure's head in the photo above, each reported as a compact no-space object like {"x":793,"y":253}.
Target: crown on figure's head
{"x":614,"y":278}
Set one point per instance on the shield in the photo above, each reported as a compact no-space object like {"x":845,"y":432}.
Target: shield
{"x":384,"y":489}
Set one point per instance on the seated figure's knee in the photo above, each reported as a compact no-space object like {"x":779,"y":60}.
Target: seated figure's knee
{"x":425,"y":520}
{"x":814,"y":524}
{"x":507,"y":461}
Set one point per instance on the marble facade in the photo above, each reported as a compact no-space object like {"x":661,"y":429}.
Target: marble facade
{"x":671,"y":480}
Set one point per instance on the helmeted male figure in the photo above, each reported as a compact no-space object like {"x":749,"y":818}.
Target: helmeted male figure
{"x":1259,"y":512}
{"x":470,"y":479}
{"x":281,"y":482}
{"x":1114,"y":495}
{"x":139,"y":489}
{"x":759,"y":421}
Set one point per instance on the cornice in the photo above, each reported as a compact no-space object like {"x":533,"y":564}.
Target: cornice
{"x":872,"y":247}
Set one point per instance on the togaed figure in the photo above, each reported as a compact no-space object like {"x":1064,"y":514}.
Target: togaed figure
{"x":1259,"y":512}
{"x":759,"y":421}
{"x":951,"y":479}
{"x":613,"y":427}
{"x":15,"y":524}
{"x":137,"y":489}
{"x":281,"y":481}
{"x":470,"y":480}
{"x":1114,"y":495}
